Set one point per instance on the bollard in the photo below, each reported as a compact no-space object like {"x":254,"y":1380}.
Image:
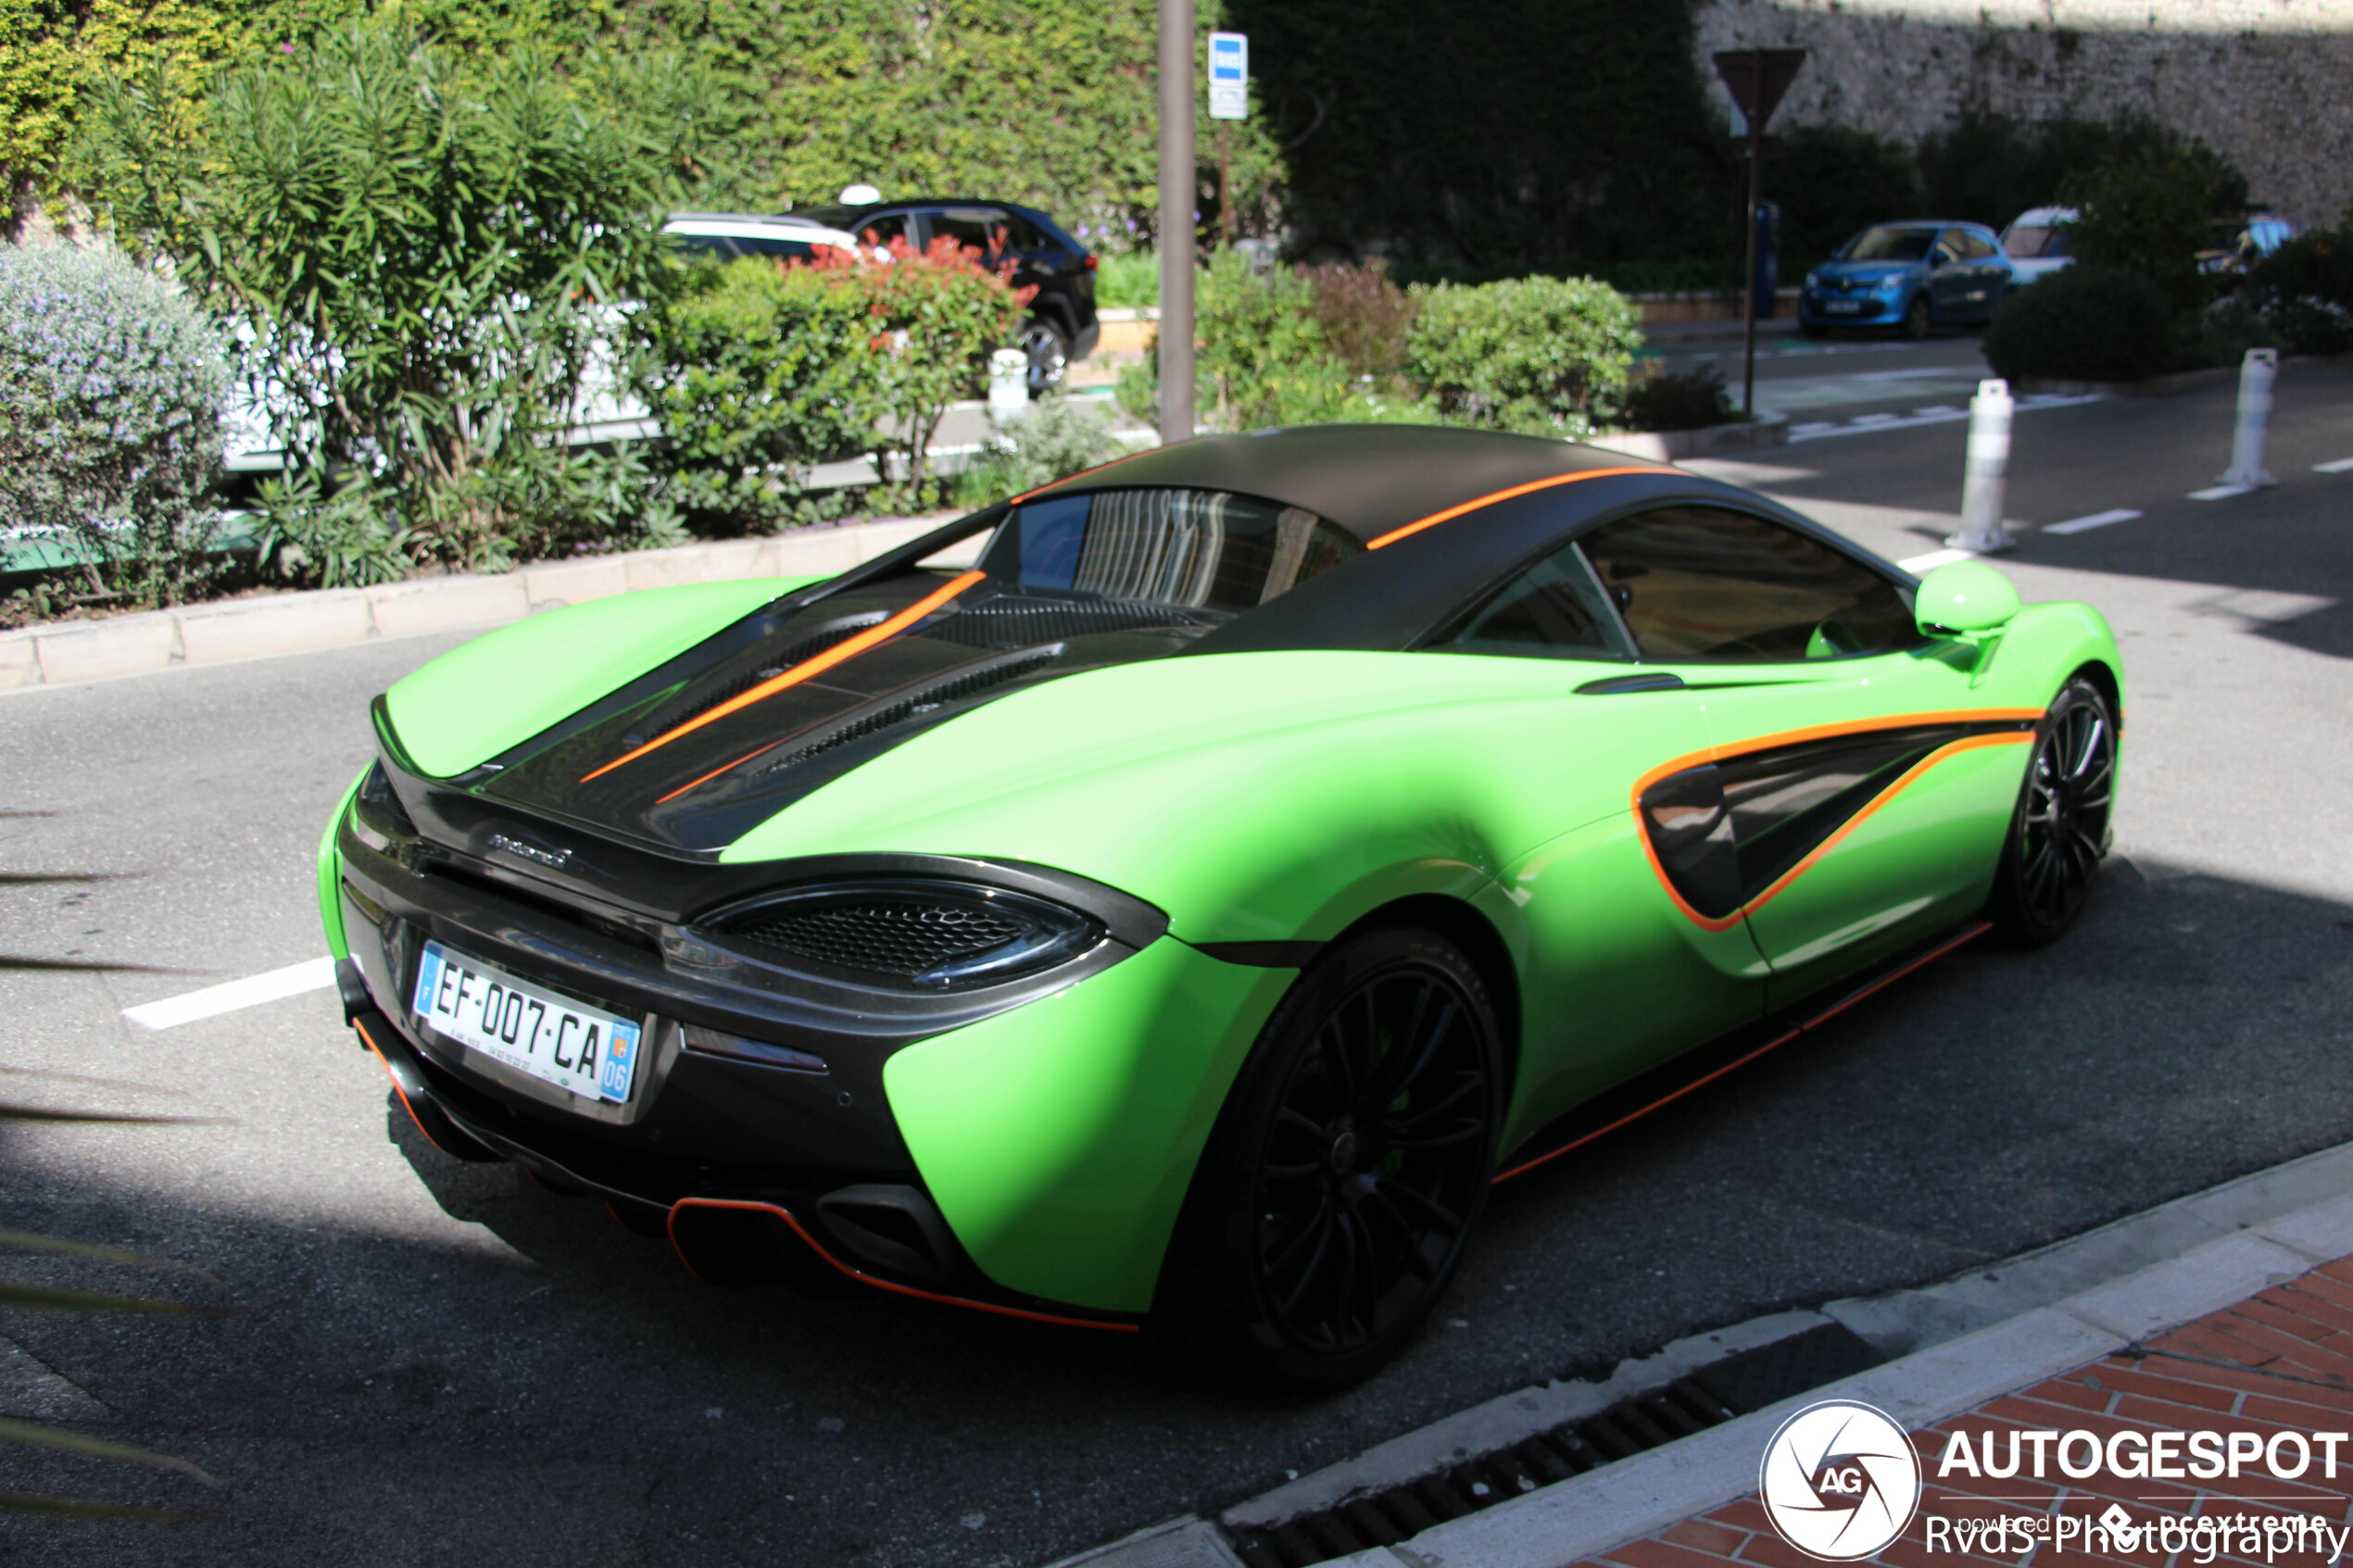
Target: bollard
{"x":1008,"y":385}
{"x":1989,"y":461}
{"x":2255,"y":419}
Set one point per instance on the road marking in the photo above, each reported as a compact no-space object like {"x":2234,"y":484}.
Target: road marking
{"x":2097,"y":519}
{"x":1937,"y":414}
{"x":311,"y":974}
{"x":2221,"y":492}
{"x":2341,"y":466}
{"x":1935,"y":559}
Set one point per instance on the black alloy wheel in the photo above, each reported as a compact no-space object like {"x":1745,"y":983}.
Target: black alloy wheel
{"x":1352,"y":1165}
{"x":1916,"y":318}
{"x":1049,"y":354}
{"x":2061,"y":829}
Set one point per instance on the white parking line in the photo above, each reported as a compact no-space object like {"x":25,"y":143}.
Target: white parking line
{"x":311,"y":974}
{"x":1934,"y":558}
{"x":2097,"y":519}
{"x":2342,"y":465}
{"x":2221,"y":492}
{"x":1934,"y":414}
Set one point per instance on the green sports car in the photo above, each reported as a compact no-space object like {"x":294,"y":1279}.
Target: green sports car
{"x":1175,"y":895}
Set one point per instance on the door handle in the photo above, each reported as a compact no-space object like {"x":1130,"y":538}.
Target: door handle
{"x":1646,"y":681}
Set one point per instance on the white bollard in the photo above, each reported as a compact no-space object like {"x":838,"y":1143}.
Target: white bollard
{"x":1989,"y":462}
{"x":2255,"y":419}
{"x":1008,"y":385}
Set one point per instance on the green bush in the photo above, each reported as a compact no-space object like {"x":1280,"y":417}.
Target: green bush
{"x":1127,"y":282}
{"x":2150,"y":212}
{"x":758,"y":371}
{"x":1263,"y":360}
{"x":1542,"y":356}
{"x":2086,"y":322}
{"x":111,"y":389}
{"x":1055,"y":438}
{"x":425,"y":252}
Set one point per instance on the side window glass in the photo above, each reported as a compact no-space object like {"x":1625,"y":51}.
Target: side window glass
{"x":1699,"y":582}
{"x":1976,"y":246}
{"x":973,"y":228}
{"x":1553,"y":609}
{"x":1948,"y":248}
{"x":882,"y":230}
{"x":1022,"y":235}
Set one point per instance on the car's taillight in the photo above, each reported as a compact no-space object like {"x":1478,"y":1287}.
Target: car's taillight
{"x":913,"y":932}
{"x":1091,"y":264}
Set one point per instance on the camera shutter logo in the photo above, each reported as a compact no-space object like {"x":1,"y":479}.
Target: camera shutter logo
{"x":1840,"y":1480}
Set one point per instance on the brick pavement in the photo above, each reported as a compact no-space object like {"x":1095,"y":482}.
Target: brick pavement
{"x":2279,"y":1361}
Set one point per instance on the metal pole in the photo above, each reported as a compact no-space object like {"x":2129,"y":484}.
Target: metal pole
{"x":1225,"y":185}
{"x":1985,"y":476}
{"x":2254,"y":421}
{"x":1176,"y":221}
{"x":1748,"y":273}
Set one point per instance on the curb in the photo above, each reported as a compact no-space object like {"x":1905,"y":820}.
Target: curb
{"x":1713,"y":441}
{"x":1957,"y":1344}
{"x":231,"y":629}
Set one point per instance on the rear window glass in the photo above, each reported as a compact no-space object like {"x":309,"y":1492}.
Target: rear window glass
{"x":1884,"y":244}
{"x":1201,"y":549}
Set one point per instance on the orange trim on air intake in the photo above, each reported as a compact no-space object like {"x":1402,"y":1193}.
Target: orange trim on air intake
{"x":1820,"y":731}
{"x":816,"y":664}
{"x":864,"y":1278}
{"x":1434,"y":518}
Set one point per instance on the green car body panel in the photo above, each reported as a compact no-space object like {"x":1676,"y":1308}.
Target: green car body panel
{"x":1286,"y":797}
{"x":475,"y":701}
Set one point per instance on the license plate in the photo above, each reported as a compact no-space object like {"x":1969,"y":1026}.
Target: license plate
{"x":513,"y":1022}
{"x":1842,"y":306}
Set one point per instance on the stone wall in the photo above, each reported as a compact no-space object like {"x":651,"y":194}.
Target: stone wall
{"x":2268,"y":83}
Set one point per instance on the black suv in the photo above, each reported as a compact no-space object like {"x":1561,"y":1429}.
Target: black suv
{"x":1062,"y":325}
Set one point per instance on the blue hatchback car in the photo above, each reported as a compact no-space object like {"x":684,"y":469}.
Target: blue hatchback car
{"x":1910,"y":276}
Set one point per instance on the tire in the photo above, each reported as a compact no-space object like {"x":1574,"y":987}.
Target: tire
{"x":2062,"y":826}
{"x":1048,"y":353}
{"x":1315,"y":1238}
{"x":1915,"y":319}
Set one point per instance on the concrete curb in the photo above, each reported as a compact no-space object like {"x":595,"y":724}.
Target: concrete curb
{"x":281,"y":624}
{"x":1957,"y":1344}
{"x":1577,"y":1519}
{"x":1714,"y":440}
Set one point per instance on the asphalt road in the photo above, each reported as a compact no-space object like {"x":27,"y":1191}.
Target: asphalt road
{"x":438,"y":1364}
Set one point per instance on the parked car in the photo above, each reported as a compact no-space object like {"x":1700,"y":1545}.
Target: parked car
{"x":1062,"y":325}
{"x":2037,"y":242}
{"x":2244,"y":243}
{"x":1908,"y":276}
{"x":1187,"y":913}
{"x":729,"y":236}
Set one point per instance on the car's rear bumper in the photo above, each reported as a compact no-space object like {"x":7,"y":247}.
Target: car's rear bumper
{"x":1088,"y":337}
{"x":1872,"y":311}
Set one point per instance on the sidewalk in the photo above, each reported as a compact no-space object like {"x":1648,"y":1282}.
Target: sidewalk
{"x":2279,"y":1362}
{"x":2225,"y":1315}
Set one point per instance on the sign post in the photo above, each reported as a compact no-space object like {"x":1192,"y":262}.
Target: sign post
{"x":1757,"y":78}
{"x":1229,"y":101}
{"x":1176,"y":221}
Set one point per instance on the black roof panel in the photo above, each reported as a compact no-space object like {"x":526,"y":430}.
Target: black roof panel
{"x":1368,"y":479}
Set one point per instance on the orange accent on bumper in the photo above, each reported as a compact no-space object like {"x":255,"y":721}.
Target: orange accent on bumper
{"x":864,"y":1278}
{"x":839,"y":653}
{"x":385,"y":1063}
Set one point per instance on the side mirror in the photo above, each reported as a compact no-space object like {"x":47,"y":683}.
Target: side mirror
{"x":1965,"y":598}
